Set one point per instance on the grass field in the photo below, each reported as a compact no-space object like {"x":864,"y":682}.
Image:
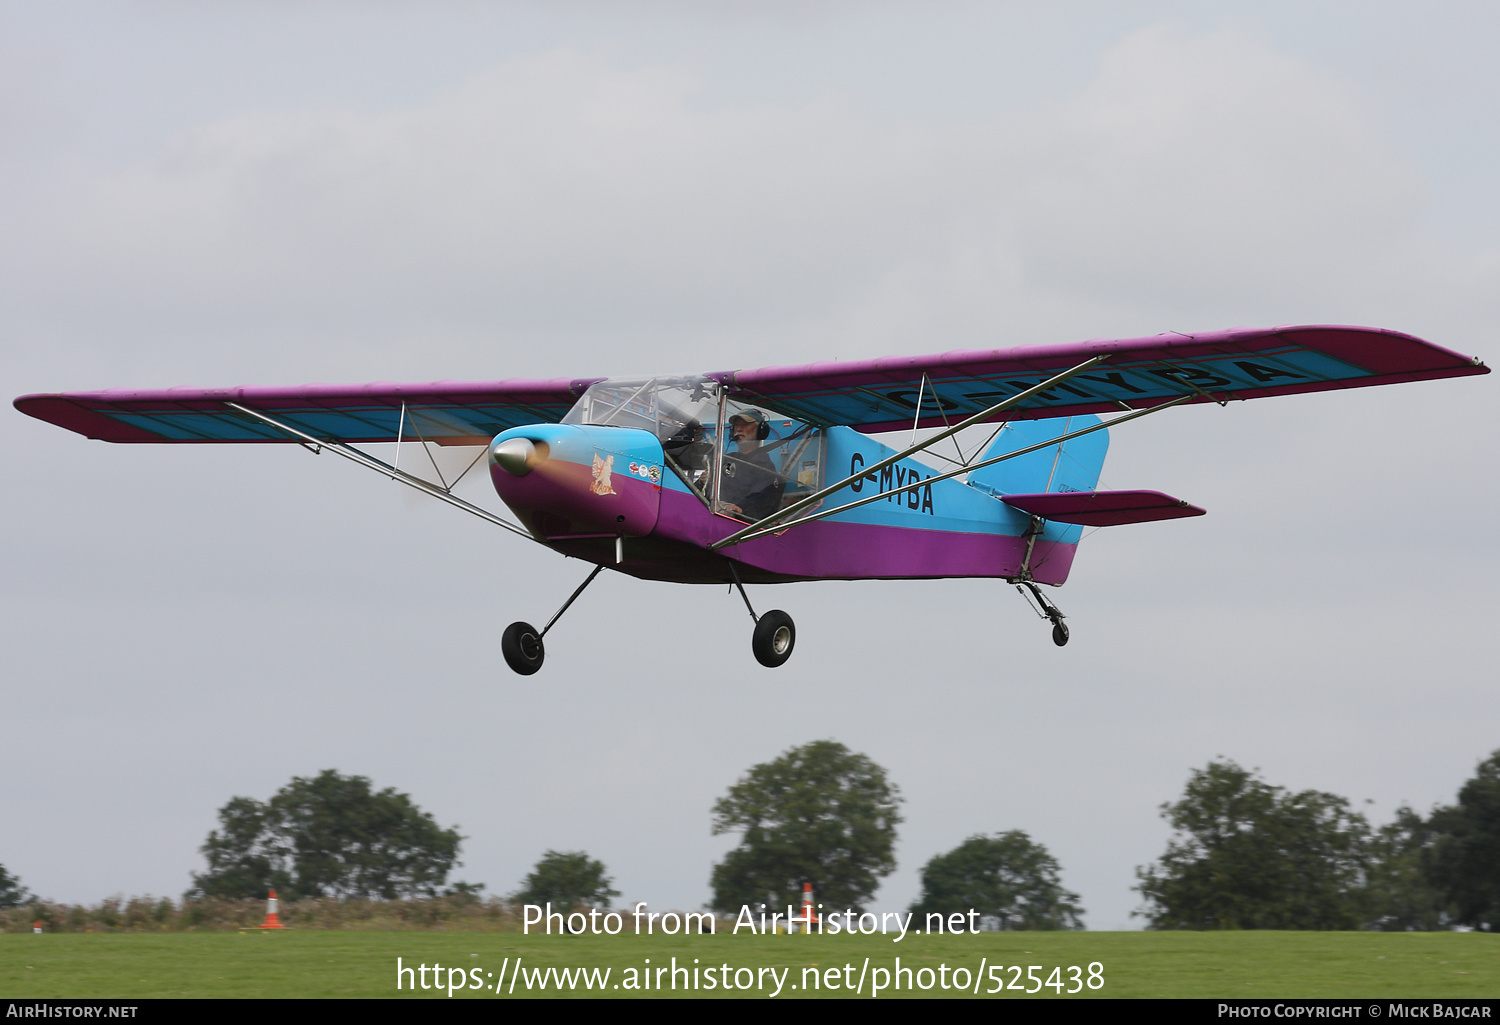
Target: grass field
{"x":1135,"y":964}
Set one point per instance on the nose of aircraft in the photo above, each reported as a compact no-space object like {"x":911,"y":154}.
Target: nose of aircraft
{"x":574,"y":480}
{"x":519,"y":456}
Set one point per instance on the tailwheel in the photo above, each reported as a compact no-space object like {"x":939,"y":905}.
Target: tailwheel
{"x":521,"y":644}
{"x":1047,"y":611}
{"x":775,"y":636}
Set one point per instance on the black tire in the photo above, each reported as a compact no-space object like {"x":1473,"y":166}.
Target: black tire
{"x":1059,"y":634}
{"x":775,"y":636}
{"x":522,"y":647}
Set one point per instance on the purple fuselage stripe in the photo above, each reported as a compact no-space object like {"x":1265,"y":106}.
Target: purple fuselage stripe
{"x":830,"y":550}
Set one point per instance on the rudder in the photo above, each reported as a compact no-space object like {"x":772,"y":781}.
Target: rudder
{"x":1072,"y":466}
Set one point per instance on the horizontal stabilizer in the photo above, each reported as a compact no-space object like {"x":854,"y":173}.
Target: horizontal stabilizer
{"x":1103,"y":508}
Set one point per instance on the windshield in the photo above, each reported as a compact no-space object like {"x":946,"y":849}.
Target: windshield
{"x":741,"y":460}
{"x":675,"y":409}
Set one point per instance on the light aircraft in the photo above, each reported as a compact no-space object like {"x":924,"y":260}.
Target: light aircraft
{"x":769,"y":476}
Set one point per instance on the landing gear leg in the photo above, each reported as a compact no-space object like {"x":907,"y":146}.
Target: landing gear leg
{"x":521,"y":644}
{"x":1049,"y":612}
{"x":775,"y":634}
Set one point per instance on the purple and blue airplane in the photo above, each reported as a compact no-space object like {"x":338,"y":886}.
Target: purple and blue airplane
{"x":770,"y":476}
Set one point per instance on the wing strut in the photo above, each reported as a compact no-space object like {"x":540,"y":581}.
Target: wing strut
{"x":758,"y":528}
{"x":385,"y":469}
{"x":754,"y":531}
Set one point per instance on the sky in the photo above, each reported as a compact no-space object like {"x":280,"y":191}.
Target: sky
{"x":267,"y":193}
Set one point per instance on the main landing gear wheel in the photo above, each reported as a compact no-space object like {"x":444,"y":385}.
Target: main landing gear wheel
{"x":775,"y":635}
{"x":1059,"y":634}
{"x":521,"y":644}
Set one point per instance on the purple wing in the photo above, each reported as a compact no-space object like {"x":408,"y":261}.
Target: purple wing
{"x":1103,"y":508}
{"x":447,"y":412}
{"x":1241,"y":363}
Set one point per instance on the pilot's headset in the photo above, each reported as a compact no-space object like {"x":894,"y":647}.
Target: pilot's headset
{"x":756,"y":417}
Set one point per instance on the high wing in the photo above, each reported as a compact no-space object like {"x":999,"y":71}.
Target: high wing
{"x":445,"y":412}
{"x":870,"y":395}
{"x":1241,"y":363}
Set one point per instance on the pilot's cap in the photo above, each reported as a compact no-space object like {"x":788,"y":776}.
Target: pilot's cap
{"x":749,"y":416}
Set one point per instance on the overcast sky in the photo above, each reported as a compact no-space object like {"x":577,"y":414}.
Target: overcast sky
{"x":273,"y":194}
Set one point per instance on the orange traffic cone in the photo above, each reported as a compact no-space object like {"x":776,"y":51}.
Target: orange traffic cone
{"x":807,"y":907}
{"x":273,"y":920}
{"x":36,"y":926}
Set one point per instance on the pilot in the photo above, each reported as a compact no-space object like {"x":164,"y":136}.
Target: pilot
{"x":750,"y":487}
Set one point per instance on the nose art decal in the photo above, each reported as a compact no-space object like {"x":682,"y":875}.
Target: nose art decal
{"x":602,"y":470}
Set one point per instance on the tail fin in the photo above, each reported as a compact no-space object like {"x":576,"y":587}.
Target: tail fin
{"x":1072,"y":466}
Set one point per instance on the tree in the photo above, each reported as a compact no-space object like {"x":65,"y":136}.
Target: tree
{"x":1465,"y":862}
{"x":1007,"y":876}
{"x":1248,"y":855}
{"x":329,"y":835}
{"x":568,"y":879}
{"x":1401,"y":895}
{"x":820,"y":814}
{"x":12,"y":893}
{"x":246,"y":855}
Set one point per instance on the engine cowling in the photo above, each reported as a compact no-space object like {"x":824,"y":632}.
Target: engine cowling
{"x":567,"y":480}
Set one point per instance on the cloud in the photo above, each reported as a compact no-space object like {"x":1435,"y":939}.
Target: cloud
{"x":562,"y":195}
{"x":554,"y":189}
{"x":1214,"y":166}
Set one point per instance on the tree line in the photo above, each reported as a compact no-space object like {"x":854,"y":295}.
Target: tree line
{"x":1244,"y":854}
{"x":1249,"y":855}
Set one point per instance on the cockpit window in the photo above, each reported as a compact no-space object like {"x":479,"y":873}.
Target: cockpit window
{"x":742,"y":460}
{"x":768,"y":461}
{"x":662,"y":405}
{"x":683,"y":413}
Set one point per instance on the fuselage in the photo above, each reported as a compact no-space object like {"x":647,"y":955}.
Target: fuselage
{"x":661,"y":491}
